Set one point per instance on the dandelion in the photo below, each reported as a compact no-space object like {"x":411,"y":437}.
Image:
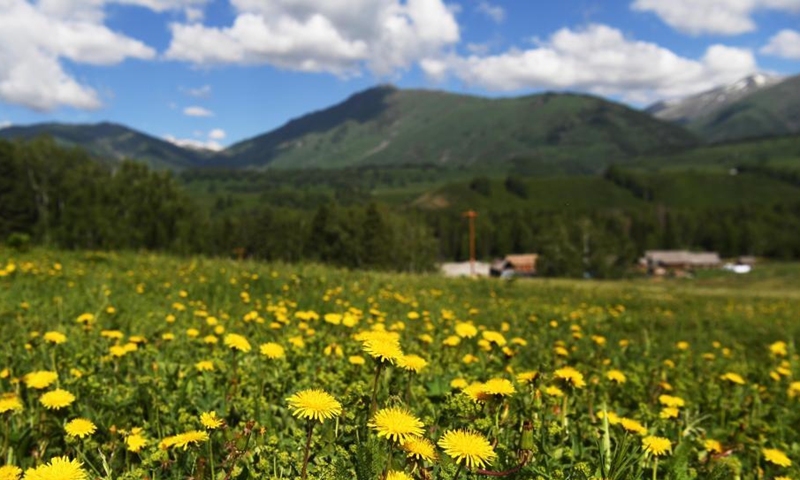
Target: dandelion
{"x":776,"y":457}
{"x":396,"y":475}
{"x":80,"y":427}
{"x":210,"y":420}
{"x":413,"y":363}
{"x":272,"y":350}
{"x":794,"y":389}
{"x":10,"y":472}
{"x":570,"y":376}
{"x":466,"y":330}
{"x":136,"y":441}
{"x":467,"y":448}
{"x":384,"y":350}
{"x":237,"y":342}
{"x":778,"y":349}
{"x":670,"y":401}
{"x":669,"y":412}
{"x":632,"y":426}
{"x":616,"y":376}
{"x":59,"y":468}
{"x":356,"y":360}
{"x":476,"y":392}
{"x":204,"y":366}
{"x":56,"y":338}
{"x":733,"y":378}
{"x":57,"y":399}
{"x":314,"y":405}
{"x":184,"y":440}
{"x":499,"y":386}
{"x":40,"y":380}
{"x":712,"y":445}
{"x":396,"y":424}
{"x":527,"y":377}
{"x":554,"y":391}
{"x":656,"y":446}
{"x":10,"y":402}
{"x":420,"y":449}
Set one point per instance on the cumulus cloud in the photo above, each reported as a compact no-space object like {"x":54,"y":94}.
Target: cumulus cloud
{"x":36,"y":37}
{"x":785,"y":43}
{"x":334,"y":36}
{"x":197,"y":112}
{"x":217,"y":134}
{"x":722,"y":17}
{"x":494,"y":12}
{"x":601,"y":60}
{"x":194,"y":144}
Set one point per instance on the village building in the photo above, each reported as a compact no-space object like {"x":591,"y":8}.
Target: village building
{"x":517,"y":265}
{"x":661,"y":262}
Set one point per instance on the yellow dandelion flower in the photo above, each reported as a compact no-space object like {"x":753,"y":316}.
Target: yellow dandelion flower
{"x":554,"y":391}
{"x":204,"y":366}
{"x":613,"y":418}
{"x":59,"y":468}
{"x":10,"y":472}
{"x":468,"y":448}
{"x":413,"y":363}
{"x":57,"y":399}
{"x":458,"y":383}
{"x":670,"y":401}
{"x":494,"y":337}
{"x":10,"y":402}
{"x":570,"y":376}
{"x":237,"y":342}
{"x":420,"y":449}
{"x":356,"y":360}
{"x":314,"y":405}
{"x":616,"y":376}
{"x":476,"y":392}
{"x":656,"y":446}
{"x":499,"y":386}
{"x":776,"y":457}
{"x":85,"y":319}
{"x":466,"y":330}
{"x":794,"y":389}
{"x":632,"y":426}
{"x":396,"y":424}
{"x":682,"y":345}
{"x":733,"y":378}
{"x":56,"y":338}
{"x":778,"y":349}
{"x":452,"y":341}
{"x":184,"y":440}
{"x":80,"y":427}
{"x":668,"y":412}
{"x":527,"y":377}
{"x":712,"y":445}
{"x":135,"y":442}
{"x":397,"y":475}
{"x":210,"y":420}
{"x":272,"y":350}
{"x":40,"y":380}
{"x":384,"y":350}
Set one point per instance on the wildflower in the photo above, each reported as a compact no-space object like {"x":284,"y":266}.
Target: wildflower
{"x":776,"y":457}
{"x":494,"y":337}
{"x":59,"y":468}
{"x":477,"y":392}
{"x":458,"y":383}
{"x":413,"y":363}
{"x":778,"y":349}
{"x":56,"y":338}
{"x":632,"y":426}
{"x":794,"y":389}
{"x":682,"y":345}
{"x":527,"y":377}
{"x":85,"y":319}
{"x":183,"y":440}
{"x":397,"y":475}
{"x":570,"y":376}
{"x":452,"y":341}
{"x":616,"y":376}
{"x":469,"y":448}
{"x":204,"y":366}
{"x":314,"y":405}
{"x":135,"y":441}
{"x":656,"y":446}
{"x":40,"y":380}
{"x":57,"y":399}
{"x":670,"y":401}
{"x":10,"y":472}
{"x":499,"y":386}
{"x":80,"y":427}
{"x":210,"y":420}
{"x":554,"y":391}
{"x":669,"y":412}
{"x":384,"y":350}
{"x":237,"y":342}
{"x":733,"y":378}
{"x":712,"y":445}
{"x":356,"y":360}
{"x":10,"y":402}
{"x":420,"y":449}
{"x":466,"y":330}
{"x":272,"y":350}
{"x":613,"y":418}
{"x":396,"y":424}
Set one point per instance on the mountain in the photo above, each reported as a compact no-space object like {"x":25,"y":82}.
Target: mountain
{"x":686,"y":110}
{"x":112,"y":141}
{"x":774,"y":110}
{"x":388,"y":126}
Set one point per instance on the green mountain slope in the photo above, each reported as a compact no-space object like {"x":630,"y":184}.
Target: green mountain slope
{"x":771,"y":111}
{"x":387,"y":126}
{"x":112,"y":142}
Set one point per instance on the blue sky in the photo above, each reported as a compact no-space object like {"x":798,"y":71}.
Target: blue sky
{"x":215,"y":72}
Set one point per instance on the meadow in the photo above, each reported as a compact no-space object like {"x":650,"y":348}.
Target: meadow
{"x":144,"y":366}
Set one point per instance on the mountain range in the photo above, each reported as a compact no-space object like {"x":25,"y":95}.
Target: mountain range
{"x":553,"y":132}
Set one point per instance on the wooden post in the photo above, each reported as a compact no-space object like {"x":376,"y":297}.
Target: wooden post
{"x":471,"y":215}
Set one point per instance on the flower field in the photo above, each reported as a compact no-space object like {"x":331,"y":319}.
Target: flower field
{"x":124,"y":366}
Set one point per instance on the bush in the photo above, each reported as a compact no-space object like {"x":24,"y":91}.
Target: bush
{"x":19,"y":241}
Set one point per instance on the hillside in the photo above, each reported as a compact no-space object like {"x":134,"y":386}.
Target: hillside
{"x":771,"y":111}
{"x":385,"y":126}
{"x":685,"y":110}
{"x":113,"y":142}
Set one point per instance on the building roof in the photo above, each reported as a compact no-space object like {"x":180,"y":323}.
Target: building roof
{"x":522,"y":259}
{"x":681,"y":257}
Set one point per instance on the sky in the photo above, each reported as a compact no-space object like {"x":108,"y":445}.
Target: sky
{"x":214,"y":72}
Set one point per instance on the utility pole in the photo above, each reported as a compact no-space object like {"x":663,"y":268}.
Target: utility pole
{"x":471,"y":215}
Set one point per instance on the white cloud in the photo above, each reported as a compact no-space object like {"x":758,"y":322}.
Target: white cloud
{"x":34,"y":38}
{"x":199,"y":92}
{"x":601,"y":60}
{"x":723,"y":17}
{"x":194,"y":144}
{"x":494,"y":12}
{"x":197,"y":112}
{"x":217,"y":134}
{"x":335,"y":36}
{"x":785,"y":43}
{"x":5,"y":124}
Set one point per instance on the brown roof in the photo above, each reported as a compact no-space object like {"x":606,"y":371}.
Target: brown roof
{"x":522,"y":260}
{"x":681,"y":257}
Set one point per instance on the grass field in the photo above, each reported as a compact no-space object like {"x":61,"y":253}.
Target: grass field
{"x":553,"y":379}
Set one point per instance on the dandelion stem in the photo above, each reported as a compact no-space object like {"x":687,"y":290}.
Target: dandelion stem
{"x":655,"y":469}
{"x":458,"y":471}
{"x":211,"y":458}
{"x":374,"y":403}
{"x":308,"y":449}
